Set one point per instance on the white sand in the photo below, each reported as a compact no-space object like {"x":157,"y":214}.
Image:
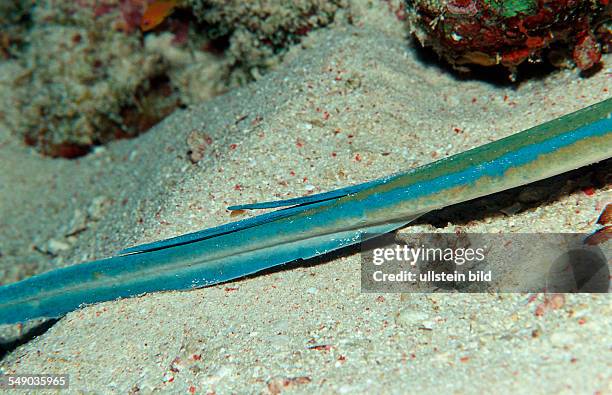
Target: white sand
{"x":255,"y":335}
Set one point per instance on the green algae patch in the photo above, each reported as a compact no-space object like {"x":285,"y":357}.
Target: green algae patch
{"x":510,"y":8}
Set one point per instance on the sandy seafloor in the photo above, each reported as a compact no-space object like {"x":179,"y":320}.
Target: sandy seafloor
{"x":353,"y":104}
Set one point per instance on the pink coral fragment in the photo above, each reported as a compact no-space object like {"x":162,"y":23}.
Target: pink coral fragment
{"x":132,"y":11}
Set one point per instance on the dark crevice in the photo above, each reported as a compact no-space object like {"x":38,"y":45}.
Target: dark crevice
{"x":498,"y":75}
{"x":30,"y":334}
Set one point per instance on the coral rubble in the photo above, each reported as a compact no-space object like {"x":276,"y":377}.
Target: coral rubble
{"x":83,"y":80}
{"x":89,"y":72}
{"x":258,"y":32}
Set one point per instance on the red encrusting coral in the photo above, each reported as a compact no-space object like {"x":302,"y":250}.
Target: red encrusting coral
{"x":490,"y":32}
{"x":587,"y":51}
